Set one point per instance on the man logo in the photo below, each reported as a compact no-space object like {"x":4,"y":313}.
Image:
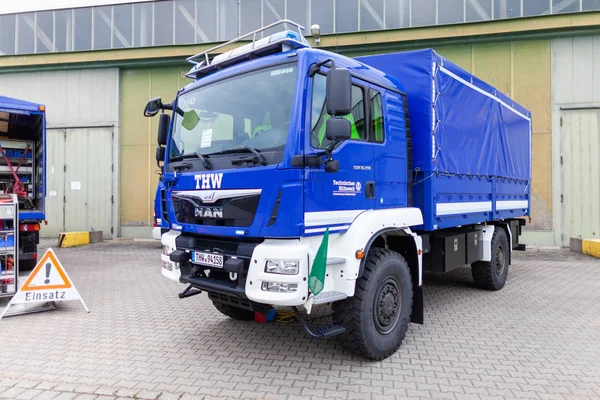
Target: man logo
{"x":208,"y":181}
{"x":208,"y":212}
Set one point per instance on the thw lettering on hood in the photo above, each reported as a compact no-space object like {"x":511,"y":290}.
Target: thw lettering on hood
{"x":208,"y":181}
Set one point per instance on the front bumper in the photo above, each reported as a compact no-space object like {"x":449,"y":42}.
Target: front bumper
{"x":247,"y":284}
{"x":170,"y":269}
{"x":290,"y":249}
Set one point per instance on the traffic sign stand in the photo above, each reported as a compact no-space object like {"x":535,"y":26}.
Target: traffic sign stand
{"x":48,"y":282}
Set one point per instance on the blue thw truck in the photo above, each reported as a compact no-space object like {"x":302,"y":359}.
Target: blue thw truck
{"x":296,"y":177}
{"x":22,"y":168}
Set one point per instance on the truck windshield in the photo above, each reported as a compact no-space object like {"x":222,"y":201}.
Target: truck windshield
{"x":250,"y":110}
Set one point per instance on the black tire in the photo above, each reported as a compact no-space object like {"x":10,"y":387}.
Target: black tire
{"x":26,"y":265}
{"x":234,"y":312}
{"x":491,"y":275}
{"x":375,"y":321}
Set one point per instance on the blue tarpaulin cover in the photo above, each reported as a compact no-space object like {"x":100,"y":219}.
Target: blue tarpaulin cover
{"x":471,"y":144}
{"x":460,"y":124}
{"x":18,"y":105}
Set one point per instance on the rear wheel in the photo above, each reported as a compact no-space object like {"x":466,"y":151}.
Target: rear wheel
{"x":491,"y":275}
{"x":234,"y":312}
{"x":376,"y":318}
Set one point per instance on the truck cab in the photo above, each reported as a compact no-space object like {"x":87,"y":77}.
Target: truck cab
{"x":287,"y":182}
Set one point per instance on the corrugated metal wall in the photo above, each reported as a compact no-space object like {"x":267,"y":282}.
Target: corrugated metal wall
{"x":87,"y":99}
{"x":139,"y":176}
{"x":580,"y":173}
{"x":80,"y":197}
{"x":73,"y":98}
{"x":576,"y":119}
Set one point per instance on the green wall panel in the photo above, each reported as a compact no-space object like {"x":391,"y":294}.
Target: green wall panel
{"x":138,"y":138}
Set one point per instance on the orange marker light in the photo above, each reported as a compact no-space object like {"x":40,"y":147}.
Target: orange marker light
{"x":419,"y":252}
{"x":360,"y":254}
{"x":42,"y":108}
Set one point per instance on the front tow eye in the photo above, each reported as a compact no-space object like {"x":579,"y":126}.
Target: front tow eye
{"x":233,"y":276}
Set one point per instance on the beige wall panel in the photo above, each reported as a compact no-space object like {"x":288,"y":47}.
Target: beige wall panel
{"x":135,"y":92}
{"x":460,"y":55}
{"x":135,"y":185}
{"x":508,"y":67}
{"x":532,"y":81}
{"x":541,"y":182}
{"x":492,"y":63}
{"x":531,"y":86}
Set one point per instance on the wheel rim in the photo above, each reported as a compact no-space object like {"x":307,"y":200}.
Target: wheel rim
{"x":388,"y":303}
{"x":500,"y":259}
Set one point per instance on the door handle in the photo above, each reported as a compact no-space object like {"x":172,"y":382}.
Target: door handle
{"x":370,"y":190}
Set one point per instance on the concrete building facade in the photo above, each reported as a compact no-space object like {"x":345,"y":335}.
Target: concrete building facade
{"x":544,"y":54}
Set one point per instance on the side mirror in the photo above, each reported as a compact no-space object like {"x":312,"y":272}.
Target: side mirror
{"x":153,"y":107}
{"x":338,"y":129}
{"x":339,"y":92}
{"x":160,"y":154}
{"x":163,"y":129}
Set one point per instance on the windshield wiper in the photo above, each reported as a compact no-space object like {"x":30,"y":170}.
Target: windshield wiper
{"x":204,"y":159}
{"x":242,"y":149}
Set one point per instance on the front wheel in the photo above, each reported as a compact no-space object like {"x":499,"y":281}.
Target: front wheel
{"x":376,"y":318}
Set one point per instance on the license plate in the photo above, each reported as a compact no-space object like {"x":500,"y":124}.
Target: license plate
{"x":211,"y":260}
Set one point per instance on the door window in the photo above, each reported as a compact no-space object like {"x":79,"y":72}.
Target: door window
{"x":376,"y":117}
{"x":319,"y":114}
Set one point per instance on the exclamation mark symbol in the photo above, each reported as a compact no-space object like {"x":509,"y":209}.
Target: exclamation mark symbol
{"x":48,"y":266}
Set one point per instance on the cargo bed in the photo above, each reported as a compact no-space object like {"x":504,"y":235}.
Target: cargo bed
{"x":22,"y":140}
{"x":471,"y":144}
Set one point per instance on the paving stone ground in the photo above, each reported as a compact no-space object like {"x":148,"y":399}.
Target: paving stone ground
{"x":538,"y":338}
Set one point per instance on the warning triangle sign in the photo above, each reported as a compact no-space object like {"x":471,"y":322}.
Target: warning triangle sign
{"x":47,"y":274}
{"x":48,"y":282}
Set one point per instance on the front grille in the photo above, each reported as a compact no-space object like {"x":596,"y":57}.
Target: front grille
{"x":229,"y":212}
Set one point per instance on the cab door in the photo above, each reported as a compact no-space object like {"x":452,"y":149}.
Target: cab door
{"x":333,"y":200}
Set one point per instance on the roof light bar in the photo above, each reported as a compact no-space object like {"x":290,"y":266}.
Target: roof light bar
{"x":286,"y":39}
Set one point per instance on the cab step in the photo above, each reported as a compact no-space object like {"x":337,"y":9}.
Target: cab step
{"x":329,"y":297}
{"x":319,"y":333}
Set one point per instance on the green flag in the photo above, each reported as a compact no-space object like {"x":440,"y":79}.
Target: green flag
{"x":316,"y":279}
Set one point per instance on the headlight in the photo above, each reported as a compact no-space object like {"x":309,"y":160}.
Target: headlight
{"x":282,"y":267}
{"x":279,"y":287}
{"x":170,"y":266}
